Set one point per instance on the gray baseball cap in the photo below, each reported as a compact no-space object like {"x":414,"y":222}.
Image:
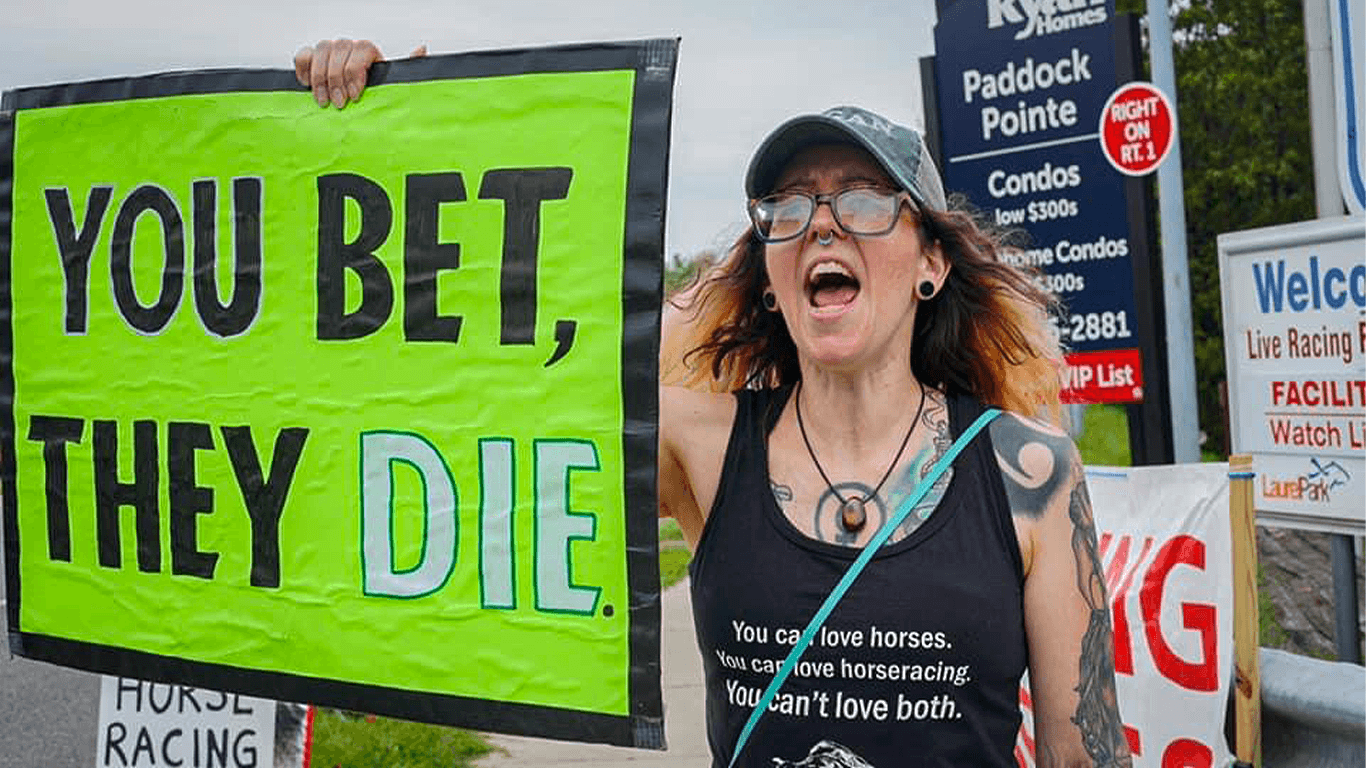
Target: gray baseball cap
{"x":899,"y":149}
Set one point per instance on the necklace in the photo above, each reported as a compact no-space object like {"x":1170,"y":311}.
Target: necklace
{"x":853,"y":512}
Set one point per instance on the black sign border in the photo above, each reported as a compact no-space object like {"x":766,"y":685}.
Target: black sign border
{"x":654,"y":63}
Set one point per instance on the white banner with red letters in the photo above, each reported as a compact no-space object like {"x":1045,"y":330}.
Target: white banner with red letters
{"x":1168,"y":558}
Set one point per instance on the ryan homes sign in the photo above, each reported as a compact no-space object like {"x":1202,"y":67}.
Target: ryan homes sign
{"x":1020,"y":86}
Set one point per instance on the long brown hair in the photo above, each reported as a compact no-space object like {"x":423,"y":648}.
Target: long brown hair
{"x":987,"y":332}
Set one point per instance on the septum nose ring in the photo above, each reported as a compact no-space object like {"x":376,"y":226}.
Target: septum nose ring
{"x":825,"y":239}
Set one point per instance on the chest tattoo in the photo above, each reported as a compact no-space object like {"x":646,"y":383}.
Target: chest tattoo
{"x":822,"y":520}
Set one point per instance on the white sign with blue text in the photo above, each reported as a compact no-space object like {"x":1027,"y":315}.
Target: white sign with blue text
{"x":1295,"y":345}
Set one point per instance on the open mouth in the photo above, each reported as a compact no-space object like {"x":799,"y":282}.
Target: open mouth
{"x":830,"y":284}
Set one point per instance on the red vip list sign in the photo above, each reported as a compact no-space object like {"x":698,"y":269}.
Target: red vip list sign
{"x":1109,"y":376}
{"x":1136,"y":128}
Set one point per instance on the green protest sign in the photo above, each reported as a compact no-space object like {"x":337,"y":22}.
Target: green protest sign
{"x":355,"y":408}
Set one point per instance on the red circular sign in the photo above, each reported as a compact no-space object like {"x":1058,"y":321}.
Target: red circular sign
{"x":1136,"y":128}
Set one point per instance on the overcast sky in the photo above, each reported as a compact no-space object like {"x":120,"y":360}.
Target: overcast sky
{"x":863,"y":52}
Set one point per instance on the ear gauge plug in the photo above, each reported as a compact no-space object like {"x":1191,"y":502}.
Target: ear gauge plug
{"x":770,"y":300}
{"x":925,"y":289}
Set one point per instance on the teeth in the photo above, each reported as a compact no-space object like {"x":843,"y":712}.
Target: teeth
{"x":829,"y":268}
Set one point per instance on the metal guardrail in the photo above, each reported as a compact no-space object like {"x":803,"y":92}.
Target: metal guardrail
{"x":1313,"y":712}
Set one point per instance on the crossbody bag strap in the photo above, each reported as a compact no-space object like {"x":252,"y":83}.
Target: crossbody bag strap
{"x":855,"y":569}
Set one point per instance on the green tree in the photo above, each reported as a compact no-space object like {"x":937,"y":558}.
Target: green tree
{"x":1243,"y":104}
{"x":680,"y":272}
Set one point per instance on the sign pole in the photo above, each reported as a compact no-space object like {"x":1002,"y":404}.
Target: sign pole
{"x":1149,"y":436}
{"x":1175,"y":272}
{"x":1347,"y":619}
{"x":1328,"y":200}
{"x":1247,"y":699}
{"x":1318,"y":59}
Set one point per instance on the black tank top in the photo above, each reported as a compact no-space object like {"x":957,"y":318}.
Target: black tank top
{"x":920,"y":662}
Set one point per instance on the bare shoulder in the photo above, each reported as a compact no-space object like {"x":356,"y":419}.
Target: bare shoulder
{"x":1039,"y":464}
{"x":694,"y":428}
{"x":688,"y":416}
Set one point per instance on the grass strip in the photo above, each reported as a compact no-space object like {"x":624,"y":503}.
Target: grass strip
{"x":673,"y":565}
{"x":349,"y":740}
{"x":1105,"y":439}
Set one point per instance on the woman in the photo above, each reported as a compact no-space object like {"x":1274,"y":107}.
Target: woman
{"x":861,"y":326}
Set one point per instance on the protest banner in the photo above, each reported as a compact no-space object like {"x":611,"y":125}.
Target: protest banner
{"x":146,"y":724}
{"x":354,"y":408}
{"x":1165,"y":546}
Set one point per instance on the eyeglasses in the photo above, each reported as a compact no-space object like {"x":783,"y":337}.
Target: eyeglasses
{"x":858,"y":211}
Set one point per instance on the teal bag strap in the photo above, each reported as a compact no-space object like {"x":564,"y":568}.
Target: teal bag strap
{"x":854,"y":570}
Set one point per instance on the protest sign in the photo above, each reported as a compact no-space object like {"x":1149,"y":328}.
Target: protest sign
{"x":1165,"y":546}
{"x":152,"y":724}
{"x":354,"y":408}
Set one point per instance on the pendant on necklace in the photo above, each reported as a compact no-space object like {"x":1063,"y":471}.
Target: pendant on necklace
{"x":852,"y":515}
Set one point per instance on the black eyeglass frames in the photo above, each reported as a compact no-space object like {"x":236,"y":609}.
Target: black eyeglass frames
{"x":867,"y":211}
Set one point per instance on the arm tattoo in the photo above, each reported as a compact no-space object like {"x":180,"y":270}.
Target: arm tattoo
{"x":1033,"y":463}
{"x":1097,"y":714}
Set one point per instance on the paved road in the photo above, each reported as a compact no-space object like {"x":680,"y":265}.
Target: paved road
{"x":684,"y":710}
{"x":48,"y":714}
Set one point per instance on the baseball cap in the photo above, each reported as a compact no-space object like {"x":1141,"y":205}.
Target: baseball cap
{"x":900,"y":150}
